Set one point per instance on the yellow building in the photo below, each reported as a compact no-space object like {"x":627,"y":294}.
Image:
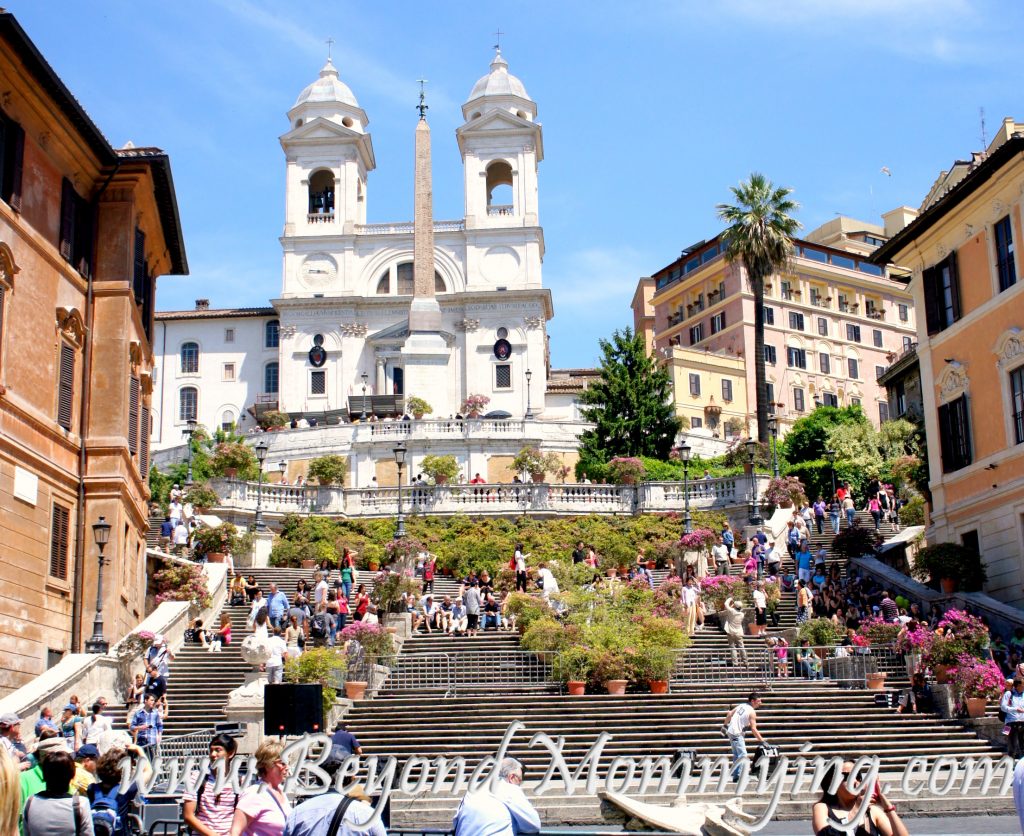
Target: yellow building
{"x":962,"y":253}
{"x":710,"y":390}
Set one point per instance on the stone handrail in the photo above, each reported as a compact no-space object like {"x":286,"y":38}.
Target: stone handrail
{"x":490,"y":499}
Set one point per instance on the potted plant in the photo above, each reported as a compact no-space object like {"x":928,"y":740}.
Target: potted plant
{"x":785,"y":492}
{"x":440,"y":468}
{"x":323,"y":665}
{"x":957,"y":633}
{"x":626,"y":470}
{"x":878,"y":632}
{"x":274,"y":420}
{"x":183,"y":582}
{"x":218,"y":541}
{"x":820,"y":632}
{"x":914,"y":645}
{"x":418,"y":407}
{"x":612,"y":671}
{"x":950,"y":565}
{"x":328,"y":470}
{"x":977,"y":681}
{"x":531,"y":460}
{"x":573,"y":666}
{"x":653,"y":665}
{"x":875,"y":680}
{"x":232,"y":457}
{"x":202,"y":497}
{"x":474,"y":405}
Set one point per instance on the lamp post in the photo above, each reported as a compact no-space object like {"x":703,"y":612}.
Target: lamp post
{"x":363,"y":416}
{"x":529,"y":377}
{"x":773,"y":429}
{"x":684,"y":454}
{"x":755,"y":510}
{"x":831,"y":456}
{"x":261,"y":455}
{"x":282,"y":466}
{"x":400,"y":453}
{"x":97,"y":644}
{"x":190,"y":430}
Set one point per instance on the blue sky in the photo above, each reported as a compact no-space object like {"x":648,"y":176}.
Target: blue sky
{"x":650,"y":111}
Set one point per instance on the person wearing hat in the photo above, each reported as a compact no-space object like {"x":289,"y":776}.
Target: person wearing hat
{"x":71,"y":727}
{"x":10,"y":728}
{"x":85,"y":768}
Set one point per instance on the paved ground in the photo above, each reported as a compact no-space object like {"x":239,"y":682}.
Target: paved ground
{"x":966,"y":826}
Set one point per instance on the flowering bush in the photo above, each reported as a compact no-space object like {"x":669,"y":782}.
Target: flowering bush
{"x":534,"y":462}
{"x":918,"y":641}
{"x":668,"y":599}
{"x":181,"y":582}
{"x":877,"y":631}
{"x":699,"y":538}
{"x":716,"y":588}
{"x":376,"y":641}
{"x":785,"y":492}
{"x":958,"y":633}
{"x":977,"y":678}
{"x":475,"y":403}
{"x":388,"y":588}
{"x":135,"y":644}
{"x":625,"y":470}
{"x":233,"y":455}
{"x":403,"y":547}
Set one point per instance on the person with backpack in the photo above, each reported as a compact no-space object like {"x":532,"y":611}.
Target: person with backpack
{"x":1011,"y":707}
{"x":263,"y":809}
{"x":205,"y":809}
{"x":109,"y":805}
{"x":55,"y":811}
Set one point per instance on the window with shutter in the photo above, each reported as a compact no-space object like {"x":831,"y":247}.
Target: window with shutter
{"x":955,"y":434}
{"x":3,"y":314}
{"x":941,"y":294}
{"x":66,"y":386}
{"x":67,"y":218}
{"x":75,"y":229}
{"x":12,"y":156}
{"x":139,"y":269}
{"x":144,"y":443}
{"x":133,"y":415}
{"x":59,"y":539}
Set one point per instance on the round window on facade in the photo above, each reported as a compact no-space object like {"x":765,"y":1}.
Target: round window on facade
{"x":502,"y":333}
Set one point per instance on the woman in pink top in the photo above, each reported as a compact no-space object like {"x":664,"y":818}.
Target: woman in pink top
{"x":263,"y":809}
{"x":875,"y":508}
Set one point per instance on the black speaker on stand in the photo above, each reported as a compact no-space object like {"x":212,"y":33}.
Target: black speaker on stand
{"x":293,"y":709}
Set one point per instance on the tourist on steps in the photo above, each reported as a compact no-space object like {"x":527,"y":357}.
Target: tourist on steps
{"x":881,"y":818}
{"x":734,"y":727}
{"x":498,"y":809}
{"x":263,"y":809}
{"x":733,"y":616}
{"x":206,"y":810}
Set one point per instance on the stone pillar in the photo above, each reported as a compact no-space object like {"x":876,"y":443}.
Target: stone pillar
{"x":263,"y":542}
{"x":381,"y":377}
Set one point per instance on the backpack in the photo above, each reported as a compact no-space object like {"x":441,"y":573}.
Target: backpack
{"x":318,"y":626}
{"x":105,"y":820}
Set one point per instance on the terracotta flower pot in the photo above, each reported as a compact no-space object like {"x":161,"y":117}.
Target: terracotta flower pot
{"x":214,"y":557}
{"x":875,"y":681}
{"x":308,"y":564}
{"x":658,"y":686}
{"x":231,"y":472}
{"x":576,"y":687}
{"x":418,"y":416}
{"x":948,"y":585}
{"x":651,"y":564}
{"x":538,"y":478}
{"x":616,"y":687}
{"x":373,"y":565}
{"x":755,"y":629}
{"x":355,"y":689}
{"x":941,"y":673}
{"x":976,"y":706}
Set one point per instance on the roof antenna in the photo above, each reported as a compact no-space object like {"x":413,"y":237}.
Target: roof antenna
{"x":984,"y":138}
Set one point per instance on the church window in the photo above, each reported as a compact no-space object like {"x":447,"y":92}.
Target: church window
{"x":188,"y":403}
{"x":502,"y":333}
{"x":229,"y":371}
{"x":270,"y":379}
{"x":318,"y":383}
{"x":384,"y":285}
{"x":405,"y":279}
{"x":190,"y":358}
{"x":321,"y":193}
{"x":227,"y":420}
{"x":503,"y":376}
{"x":439,"y":284}
{"x":272,"y":334}
{"x":348,"y":121}
{"x":499,"y":189}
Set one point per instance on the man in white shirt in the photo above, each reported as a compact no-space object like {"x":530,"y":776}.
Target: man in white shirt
{"x":548,"y":582}
{"x":737,"y":721}
{"x":278,"y":653}
{"x":97,"y":724}
{"x":688,"y":597}
{"x":720,"y":552}
{"x":500,"y":809}
{"x":258,"y":603}
{"x":320,"y":594}
{"x":180,"y":537}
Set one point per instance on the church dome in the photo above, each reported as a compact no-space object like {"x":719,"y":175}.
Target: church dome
{"x":327,"y":88}
{"x":499,"y":82}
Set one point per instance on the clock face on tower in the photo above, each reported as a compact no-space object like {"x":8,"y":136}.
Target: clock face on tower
{"x":318,"y":271}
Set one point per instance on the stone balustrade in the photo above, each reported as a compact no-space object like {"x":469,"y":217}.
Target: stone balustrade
{"x":488,"y":499}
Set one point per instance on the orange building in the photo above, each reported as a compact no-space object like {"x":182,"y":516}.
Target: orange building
{"x":85,"y":229}
{"x":963,"y":254}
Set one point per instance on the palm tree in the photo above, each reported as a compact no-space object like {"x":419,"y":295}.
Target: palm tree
{"x":760,"y":236}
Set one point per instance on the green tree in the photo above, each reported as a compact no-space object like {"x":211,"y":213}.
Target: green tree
{"x":808,"y":439}
{"x":631,"y":404}
{"x":760,"y":237}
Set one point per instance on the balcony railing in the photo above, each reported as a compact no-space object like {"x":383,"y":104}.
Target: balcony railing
{"x":320,"y":217}
{"x":502,"y":209}
{"x":489,"y":499}
{"x":406,"y":228}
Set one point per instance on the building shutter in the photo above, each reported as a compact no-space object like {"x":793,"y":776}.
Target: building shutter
{"x":66,"y":386}
{"x":67,"y":218}
{"x":59,"y":542}
{"x":14,"y":158}
{"x":144,"y":444}
{"x":954,"y":286}
{"x":83,"y":237}
{"x":133,"y":415}
{"x":139,"y":272}
{"x":3,"y":314}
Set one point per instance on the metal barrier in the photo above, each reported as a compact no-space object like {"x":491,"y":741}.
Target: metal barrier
{"x":463,"y":672}
{"x":697,"y":667}
{"x":195,"y":744}
{"x":849,"y":666}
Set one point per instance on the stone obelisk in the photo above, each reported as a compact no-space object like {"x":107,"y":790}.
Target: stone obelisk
{"x":425,"y":353}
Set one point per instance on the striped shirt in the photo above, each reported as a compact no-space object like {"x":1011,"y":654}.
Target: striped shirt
{"x":215,"y":810}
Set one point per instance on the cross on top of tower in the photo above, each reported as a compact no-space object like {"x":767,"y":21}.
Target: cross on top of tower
{"x":423,"y":107}
{"x":330,"y":47}
{"x":497,"y":35}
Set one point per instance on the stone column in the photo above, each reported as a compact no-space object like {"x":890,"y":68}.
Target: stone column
{"x":382,"y":381}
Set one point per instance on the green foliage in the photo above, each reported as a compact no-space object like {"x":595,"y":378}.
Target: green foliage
{"x":574,"y":664}
{"x":389,"y":588}
{"x":221,"y":539}
{"x":808,"y":439}
{"x":531,"y":460}
{"x":323,"y":665}
{"x":527,"y":609}
{"x":652,"y":662}
{"x":418,"y":406}
{"x":631,"y":403}
{"x":440,"y":468}
{"x":545,"y":634}
{"x":855,"y":541}
{"x":235,"y":455}
{"x":273,"y":418}
{"x":857,"y":446}
{"x":820,"y":632}
{"x":328,"y":470}
{"x":953,"y":561}
{"x":913,"y":512}
{"x":201,"y":495}
{"x":815,"y":476}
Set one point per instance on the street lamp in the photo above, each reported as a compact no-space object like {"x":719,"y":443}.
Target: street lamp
{"x":363,"y":416}
{"x":190,"y":430}
{"x":755,"y":510}
{"x":773,"y":428}
{"x":529,"y":377}
{"x":97,"y":644}
{"x":282,"y":466}
{"x":831,"y":456}
{"x":684,"y":454}
{"x":400,"y":453}
{"x":261,"y":455}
